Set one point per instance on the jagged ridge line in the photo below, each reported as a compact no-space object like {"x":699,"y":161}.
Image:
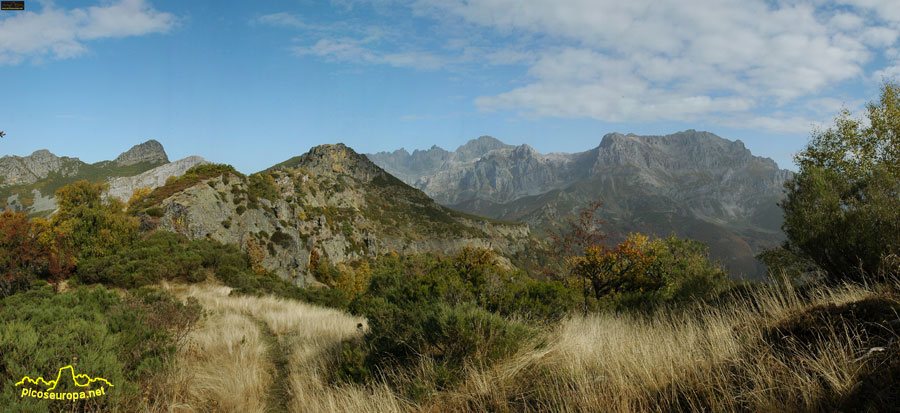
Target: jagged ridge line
{"x":59,"y":375}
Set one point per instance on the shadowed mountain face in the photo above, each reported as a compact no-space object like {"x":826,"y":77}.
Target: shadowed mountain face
{"x":695,"y":184}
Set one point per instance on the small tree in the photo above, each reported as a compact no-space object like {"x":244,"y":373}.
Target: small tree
{"x":578,"y":237}
{"x":95,"y":227}
{"x":475,"y":265}
{"x":627,"y":266}
{"x":642,"y":272}
{"x":138,"y":194}
{"x":256,"y":253}
{"x":842,"y":210}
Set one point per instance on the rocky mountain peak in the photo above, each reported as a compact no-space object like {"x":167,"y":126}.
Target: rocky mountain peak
{"x":524,"y":150}
{"x":150,"y":151}
{"x":19,"y":170}
{"x":335,"y":159}
{"x":477,"y":148}
{"x":43,"y":154}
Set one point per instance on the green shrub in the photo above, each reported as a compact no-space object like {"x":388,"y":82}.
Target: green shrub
{"x":165,"y":255}
{"x":282,"y":239}
{"x":440,"y":307}
{"x":262,"y":185}
{"x":451,"y":336}
{"x":125,"y":340}
{"x":161,"y":256}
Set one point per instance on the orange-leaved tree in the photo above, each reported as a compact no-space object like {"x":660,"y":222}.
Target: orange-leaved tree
{"x":630,"y":266}
{"x":31,"y":249}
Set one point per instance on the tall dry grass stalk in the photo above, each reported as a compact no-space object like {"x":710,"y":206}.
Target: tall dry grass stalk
{"x":713,"y":358}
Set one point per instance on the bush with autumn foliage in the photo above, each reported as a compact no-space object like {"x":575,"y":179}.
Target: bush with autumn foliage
{"x":31,"y":249}
{"x":640,"y":272}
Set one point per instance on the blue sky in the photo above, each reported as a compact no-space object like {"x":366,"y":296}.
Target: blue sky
{"x":252,"y":84}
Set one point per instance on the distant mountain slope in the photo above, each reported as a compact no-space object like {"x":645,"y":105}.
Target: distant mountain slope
{"x":693,"y":183}
{"x":28,"y":183}
{"x":409,"y":167}
{"x":331,"y":200}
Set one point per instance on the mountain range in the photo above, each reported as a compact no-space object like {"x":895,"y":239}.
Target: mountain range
{"x":692,"y":183}
{"x":28,"y":183}
{"x":345,"y":206}
{"x":330,"y":200}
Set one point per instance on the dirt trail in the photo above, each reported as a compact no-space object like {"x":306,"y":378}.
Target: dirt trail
{"x":277,"y":352}
{"x":260,"y":342}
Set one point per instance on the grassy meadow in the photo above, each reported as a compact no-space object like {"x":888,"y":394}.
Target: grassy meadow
{"x":756,"y":352}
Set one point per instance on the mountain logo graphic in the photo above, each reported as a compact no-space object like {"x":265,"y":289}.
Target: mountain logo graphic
{"x":68,"y":372}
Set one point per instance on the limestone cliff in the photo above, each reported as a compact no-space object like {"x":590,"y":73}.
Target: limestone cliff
{"x":123,"y":187}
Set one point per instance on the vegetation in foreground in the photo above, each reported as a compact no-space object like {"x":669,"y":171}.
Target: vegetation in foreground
{"x":773,"y":349}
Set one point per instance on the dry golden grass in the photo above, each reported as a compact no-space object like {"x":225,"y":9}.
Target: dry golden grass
{"x":228,"y":361}
{"x":711,"y":359}
{"x":699,"y":360}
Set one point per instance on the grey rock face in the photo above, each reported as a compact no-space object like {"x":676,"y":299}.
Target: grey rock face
{"x":150,"y":151}
{"x":123,"y":187}
{"x":18,"y":170}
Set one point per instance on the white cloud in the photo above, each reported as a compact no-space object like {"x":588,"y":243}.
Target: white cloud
{"x":797,"y":125}
{"x":650,"y":60}
{"x":349,"y":50}
{"x":281,"y":19}
{"x":774,"y":64}
{"x":891,"y":73}
{"x":61,"y":34}
{"x":882,"y":9}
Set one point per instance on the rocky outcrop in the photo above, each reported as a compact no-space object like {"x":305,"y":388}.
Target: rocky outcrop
{"x":331,"y":200}
{"x":123,"y":187}
{"x":150,"y":152}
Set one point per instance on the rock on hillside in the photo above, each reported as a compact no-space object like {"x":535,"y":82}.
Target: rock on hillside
{"x":123,"y":187}
{"x":331,"y":200}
